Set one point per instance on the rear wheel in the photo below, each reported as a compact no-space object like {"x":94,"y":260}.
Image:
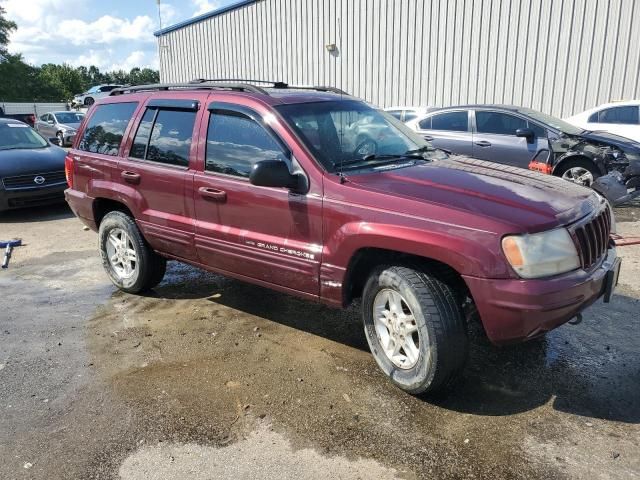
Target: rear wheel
{"x":89,"y":101}
{"x":580,"y":171}
{"x":415,"y":328}
{"x":130,"y":263}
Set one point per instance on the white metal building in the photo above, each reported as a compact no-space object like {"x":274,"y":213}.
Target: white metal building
{"x":558,"y":56}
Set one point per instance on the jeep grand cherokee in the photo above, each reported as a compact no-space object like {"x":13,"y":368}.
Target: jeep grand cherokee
{"x":315,"y":193}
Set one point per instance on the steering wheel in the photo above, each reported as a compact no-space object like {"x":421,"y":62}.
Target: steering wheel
{"x":366,"y":147}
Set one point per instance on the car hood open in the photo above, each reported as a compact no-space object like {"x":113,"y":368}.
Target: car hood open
{"x":527,"y":200}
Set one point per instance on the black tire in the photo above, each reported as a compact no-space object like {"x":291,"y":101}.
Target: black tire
{"x":439,"y":319}
{"x":150,"y":267}
{"x":89,"y":101}
{"x":60,"y":138}
{"x":578,"y":163}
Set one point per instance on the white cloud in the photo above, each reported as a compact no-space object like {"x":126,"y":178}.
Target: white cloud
{"x":204,"y":6}
{"x":53,"y":31}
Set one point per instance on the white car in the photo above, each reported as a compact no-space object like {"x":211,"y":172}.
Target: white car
{"x":89,"y":97}
{"x":619,"y":118}
{"x":407,"y":113}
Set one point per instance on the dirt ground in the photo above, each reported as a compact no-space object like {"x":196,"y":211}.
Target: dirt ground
{"x":212,"y":378}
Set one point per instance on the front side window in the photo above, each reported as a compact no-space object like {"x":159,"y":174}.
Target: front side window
{"x":19,"y":136}
{"x":164,"y":136}
{"x":235,"y":142}
{"x":350,"y":133}
{"x":621,"y":115}
{"x":396,"y":113}
{"x":451,"y":121}
{"x":498,"y":123}
{"x":105,"y":129}
{"x":408,"y":116}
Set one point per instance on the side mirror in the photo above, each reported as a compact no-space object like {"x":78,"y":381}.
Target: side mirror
{"x":54,"y":141}
{"x":526,"y":133}
{"x":275,"y":173}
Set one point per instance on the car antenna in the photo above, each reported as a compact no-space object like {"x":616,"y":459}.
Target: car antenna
{"x":343,"y":179}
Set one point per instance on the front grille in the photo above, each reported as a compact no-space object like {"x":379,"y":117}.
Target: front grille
{"x":29,"y":181}
{"x":592,"y":238}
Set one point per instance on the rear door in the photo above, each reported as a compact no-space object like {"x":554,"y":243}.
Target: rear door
{"x":269,"y":234}
{"x":494,"y":138}
{"x":449,"y":130}
{"x":156,"y":172}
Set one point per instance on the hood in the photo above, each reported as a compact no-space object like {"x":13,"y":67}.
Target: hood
{"x":26,"y":162}
{"x":625,"y":144}
{"x":527,"y":201}
{"x":73,"y":126}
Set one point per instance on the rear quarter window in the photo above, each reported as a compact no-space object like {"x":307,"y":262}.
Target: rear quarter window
{"x":105,"y":129}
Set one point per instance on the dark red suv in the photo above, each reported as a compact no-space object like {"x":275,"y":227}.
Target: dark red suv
{"x":315,"y":193}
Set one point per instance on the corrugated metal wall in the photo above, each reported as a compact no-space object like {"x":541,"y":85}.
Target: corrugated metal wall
{"x":559,"y":56}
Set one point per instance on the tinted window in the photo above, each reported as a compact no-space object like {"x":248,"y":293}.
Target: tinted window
{"x":409,"y":116}
{"x":395,"y":113}
{"x":498,"y":123}
{"x":425,"y":124}
{"x":236,"y":142}
{"x":164,"y":136}
{"x":624,"y":115}
{"x":106,"y":127}
{"x":452,"y":121}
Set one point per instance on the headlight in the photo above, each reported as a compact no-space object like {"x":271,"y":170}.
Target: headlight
{"x":541,"y":254}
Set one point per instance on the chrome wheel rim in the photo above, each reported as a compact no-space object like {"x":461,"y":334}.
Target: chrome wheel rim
{"x":579,"y":175}
{"x":121,"y":254}
{"x":396,"y":328}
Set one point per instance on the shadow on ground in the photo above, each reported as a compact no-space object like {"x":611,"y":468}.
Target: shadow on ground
{"x":589,"y":370}
{"x":40,"y":214}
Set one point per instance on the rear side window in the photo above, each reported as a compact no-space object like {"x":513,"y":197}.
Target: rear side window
{"x":452,"y":121}
{"x":396,"y":113}
{"x":621,"y":115}
{"x":106,"y":127}
{"x":410,"y":116}
{"x":425,"y":124}
{"x":498,"y":123}
{"x":235,"y":142}
{"x":164,"y":136}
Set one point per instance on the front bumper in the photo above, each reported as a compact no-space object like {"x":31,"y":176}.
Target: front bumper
{"x":515,"y":310}
{"x":32,"y":197}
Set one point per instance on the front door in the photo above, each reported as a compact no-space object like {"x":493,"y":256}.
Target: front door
{"x":268,"y":234}
{"x":495,"y":139}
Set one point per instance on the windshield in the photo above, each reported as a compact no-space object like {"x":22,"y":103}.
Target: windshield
{"x":19,"y":136}
{"x":552,"y":122}
{"x":349,"y":134}
{"x":69,"y":117}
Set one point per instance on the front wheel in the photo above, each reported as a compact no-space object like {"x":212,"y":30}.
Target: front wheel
{"x":89,"y":101}
{"x":581,"y":172}
{"x":61,"y":139}
{"x":415,"y":328}
{"x":130,"y":263}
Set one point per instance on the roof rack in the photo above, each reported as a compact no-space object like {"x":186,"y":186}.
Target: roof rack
{"x":273,"y":84}
{"x":236,"y":84}
{"x":205,"y":84}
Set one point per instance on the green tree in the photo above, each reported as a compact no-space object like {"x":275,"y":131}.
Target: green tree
{"x":6,"y":27}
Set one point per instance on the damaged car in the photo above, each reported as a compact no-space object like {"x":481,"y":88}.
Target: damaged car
{"x":526,"y":138}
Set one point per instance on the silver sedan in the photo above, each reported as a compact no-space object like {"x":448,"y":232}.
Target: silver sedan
{"x":61,"y":125}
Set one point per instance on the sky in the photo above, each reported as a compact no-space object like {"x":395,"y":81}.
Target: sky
{"x":110,"y":34}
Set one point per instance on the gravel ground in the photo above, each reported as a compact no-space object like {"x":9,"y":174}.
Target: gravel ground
{"x":211,"y":378}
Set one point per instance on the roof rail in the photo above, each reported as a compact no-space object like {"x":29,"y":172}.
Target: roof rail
{"x":237,"y":84}
{"x":204,"y":84}
{"x":273,"y":84}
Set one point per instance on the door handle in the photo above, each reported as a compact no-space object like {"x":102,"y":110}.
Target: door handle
{"x":428,"y":138}
{"x":130,"y":177}
{"x":483,"y":143}
{"x":213,"y":194}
